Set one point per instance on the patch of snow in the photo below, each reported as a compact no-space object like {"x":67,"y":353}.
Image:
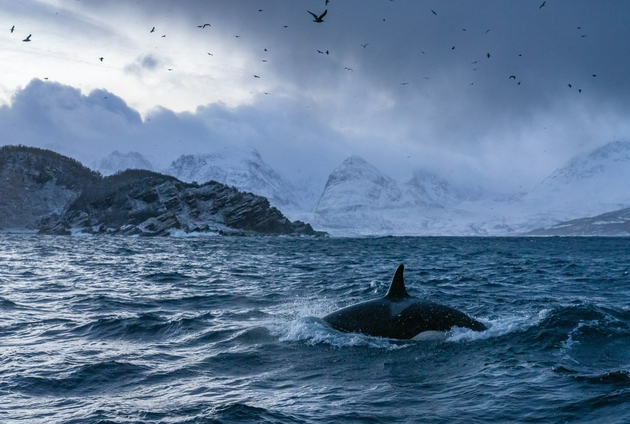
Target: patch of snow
{"x":361,"y":200}
{"x":240,"y":168}
{"x":117,"y":162}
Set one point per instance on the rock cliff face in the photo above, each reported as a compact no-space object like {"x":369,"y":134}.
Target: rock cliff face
{"x":36,"y":184}
{"x":134,"y":202}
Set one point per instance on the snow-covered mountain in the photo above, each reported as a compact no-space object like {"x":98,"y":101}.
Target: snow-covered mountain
{"x":430,"y":188}
{"x":355,"y":185}
{"x":587,"y":185}
{"x":360,"y":199}
{"x":243,"y":169}
{"x":117,"y":162}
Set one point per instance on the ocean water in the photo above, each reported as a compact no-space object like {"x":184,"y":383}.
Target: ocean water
{"x":221,"y":330}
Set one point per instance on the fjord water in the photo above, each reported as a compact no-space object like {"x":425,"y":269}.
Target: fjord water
{"x":182,"y":330}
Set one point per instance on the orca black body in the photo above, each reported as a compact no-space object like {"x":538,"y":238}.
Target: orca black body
{"x":399,"y":315}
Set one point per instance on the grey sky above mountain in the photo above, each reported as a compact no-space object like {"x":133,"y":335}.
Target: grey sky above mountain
{"x":498,"y":92}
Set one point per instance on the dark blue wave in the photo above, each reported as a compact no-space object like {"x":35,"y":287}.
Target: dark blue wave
{"x":227,"y":330}
{"x":84,"y":380}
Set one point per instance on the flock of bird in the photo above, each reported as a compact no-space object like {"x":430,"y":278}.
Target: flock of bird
{"x":319,"y":19}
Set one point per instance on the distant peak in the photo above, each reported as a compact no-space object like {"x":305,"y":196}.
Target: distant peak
{"x":355,"y":160}
{"x":618,"y":148}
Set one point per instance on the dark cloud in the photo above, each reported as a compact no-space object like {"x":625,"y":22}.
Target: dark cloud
{"x":52,"y":115}
{"x":458,"y":111}
{"x":89,"y":127}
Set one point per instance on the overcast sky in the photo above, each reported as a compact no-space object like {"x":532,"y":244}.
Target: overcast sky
{"x":496,"y":91}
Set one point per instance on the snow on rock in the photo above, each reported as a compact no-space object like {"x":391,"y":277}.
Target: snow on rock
{"x":429,"y":188}
{"x":359,"y":199}
{"x":118,"y":162}
{"x":140,"y":202}
{"x":356,"y":184}
{"x":610,"y":224}
{"x":43,"y":191}
{"x":243,"y":169}
{"x":587,"y":185}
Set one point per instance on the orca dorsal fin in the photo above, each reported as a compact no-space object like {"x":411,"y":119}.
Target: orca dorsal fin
{"x":397,"y":289}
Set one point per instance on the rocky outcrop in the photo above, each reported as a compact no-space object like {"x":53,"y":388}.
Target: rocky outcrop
{"x":134,"y":202}
{"x":240,"y":168}
{"x":36,"y":184}
{"x":610,"y":224}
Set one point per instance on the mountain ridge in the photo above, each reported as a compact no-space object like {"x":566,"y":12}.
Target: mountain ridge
{"x":244,"y":169}
{"x":132,"y":202}
{"x":586,"y":185}
{"x":359,"y":199}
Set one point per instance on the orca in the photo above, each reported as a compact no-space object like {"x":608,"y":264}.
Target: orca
{"x":399,"y":315}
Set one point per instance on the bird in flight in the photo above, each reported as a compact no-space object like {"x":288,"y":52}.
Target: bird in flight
{"x":320,"y":18}
{"x":541,"y":6}
{"x":434,"y":12}
{"x":365,"y":45}
{"x":256,"y":76}
{"x":152,"y":29}
{"x":203,"y":26}
{"x":27,"y":39}
{"x":12,"y":29}
{"x":101,"y":58}
{"x":348,"y":69}
{"x":512,"y":77}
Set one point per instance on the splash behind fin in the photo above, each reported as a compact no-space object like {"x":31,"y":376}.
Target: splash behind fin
{"x":397,"y":289}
